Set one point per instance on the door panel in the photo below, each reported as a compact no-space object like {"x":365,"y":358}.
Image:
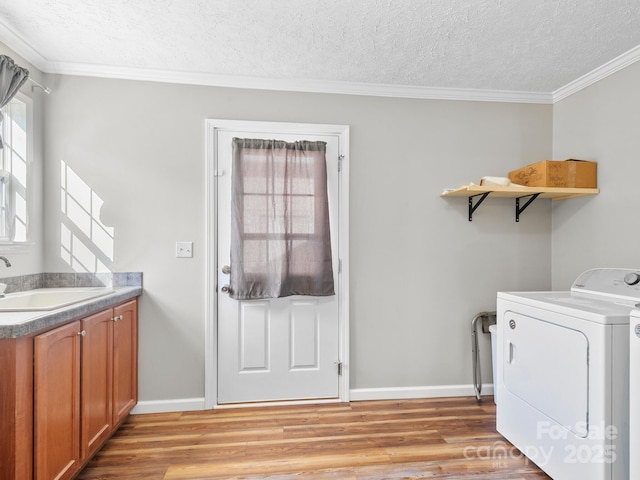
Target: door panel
{"x":254,"y":336}
{"x":305,"y":335}
{"x":542,"y":357}
{"x":283,"y":348}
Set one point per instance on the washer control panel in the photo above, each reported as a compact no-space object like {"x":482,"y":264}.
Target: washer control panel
{"x":618,"y":282}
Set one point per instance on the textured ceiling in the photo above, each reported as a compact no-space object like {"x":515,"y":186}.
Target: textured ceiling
{"x":508,"y":45}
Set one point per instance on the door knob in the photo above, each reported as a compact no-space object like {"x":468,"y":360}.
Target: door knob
{"x":226,"y":269}
{"x":225,"y":289}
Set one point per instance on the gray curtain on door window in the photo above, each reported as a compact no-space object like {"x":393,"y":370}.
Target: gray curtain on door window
{"x":280,"y":238}
{"x":12,"y":77}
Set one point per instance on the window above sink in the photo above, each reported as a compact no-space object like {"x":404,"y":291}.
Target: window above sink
{"x":15,"y":159}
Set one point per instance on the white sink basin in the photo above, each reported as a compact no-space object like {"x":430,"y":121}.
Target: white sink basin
{"x":49,"y":298}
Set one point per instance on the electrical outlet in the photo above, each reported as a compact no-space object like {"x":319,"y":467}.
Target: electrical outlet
{"x":184,"y":249}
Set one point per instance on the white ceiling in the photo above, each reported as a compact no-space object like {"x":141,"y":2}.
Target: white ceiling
{"x":525,"y":46}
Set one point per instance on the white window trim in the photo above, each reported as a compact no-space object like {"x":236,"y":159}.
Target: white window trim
{"x":11,"y":244}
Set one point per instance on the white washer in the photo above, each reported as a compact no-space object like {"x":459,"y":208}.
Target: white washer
{"x":563,"y":375}
{"x":634,"y":394}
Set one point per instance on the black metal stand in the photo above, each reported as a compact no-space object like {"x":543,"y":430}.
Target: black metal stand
{"x":487,"y":318}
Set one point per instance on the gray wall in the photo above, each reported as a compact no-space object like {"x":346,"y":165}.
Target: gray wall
{"x":419,"y":269}
{"x":599,"y":123}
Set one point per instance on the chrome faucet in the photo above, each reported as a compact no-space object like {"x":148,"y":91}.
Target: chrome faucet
{"x":3,"y":286}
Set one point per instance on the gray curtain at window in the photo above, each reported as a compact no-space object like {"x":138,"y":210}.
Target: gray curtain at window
{"x":12,"y":77}
{"x":280,"y":239}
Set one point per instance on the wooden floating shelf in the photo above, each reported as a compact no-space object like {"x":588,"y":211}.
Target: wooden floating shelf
{"x":514,"y":192}
{"x":472,"y":191}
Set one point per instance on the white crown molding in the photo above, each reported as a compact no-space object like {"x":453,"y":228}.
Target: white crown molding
{"x":308,"y":86}
{"x":598,"y":74}
{"x":22,"y":48}
{"x":17,"y":44}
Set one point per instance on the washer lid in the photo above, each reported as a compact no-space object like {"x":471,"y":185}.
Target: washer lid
{"x":594,"y":308}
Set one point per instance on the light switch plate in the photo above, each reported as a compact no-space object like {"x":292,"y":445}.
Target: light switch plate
{"x":184,"y":249}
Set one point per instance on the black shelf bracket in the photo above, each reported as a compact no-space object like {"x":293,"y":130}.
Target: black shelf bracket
{"x":472,"y":207}
{"x":528,"y":202}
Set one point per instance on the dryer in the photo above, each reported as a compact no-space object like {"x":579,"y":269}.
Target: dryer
{"x":563,"y":374}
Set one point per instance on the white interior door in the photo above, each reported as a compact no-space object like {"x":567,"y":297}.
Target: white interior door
{"x":283,"y":348}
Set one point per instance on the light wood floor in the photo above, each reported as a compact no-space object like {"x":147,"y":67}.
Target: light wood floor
{"x":450,"y":438}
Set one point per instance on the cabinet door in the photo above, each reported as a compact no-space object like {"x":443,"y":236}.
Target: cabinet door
{"x":16,"y":408}
{"x":97,"y":377}
{"x":57,"y":402}
{"x":125,"y":360}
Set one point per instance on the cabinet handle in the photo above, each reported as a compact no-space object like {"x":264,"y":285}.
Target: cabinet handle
{"x":118,"y":318}
{"x":82,"y":333}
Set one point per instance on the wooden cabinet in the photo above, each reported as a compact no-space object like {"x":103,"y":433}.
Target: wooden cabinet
{"x":125,"y":354}
{"x":57,"y":402}
{"x":16,"y":408}
{"x":97,"y":381}
{"x":82,"y":385}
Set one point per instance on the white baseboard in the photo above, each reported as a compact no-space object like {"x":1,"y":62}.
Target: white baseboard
{"x":356,"y":394}
{"x":403,"y":393}
{"x":164,"y":406}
